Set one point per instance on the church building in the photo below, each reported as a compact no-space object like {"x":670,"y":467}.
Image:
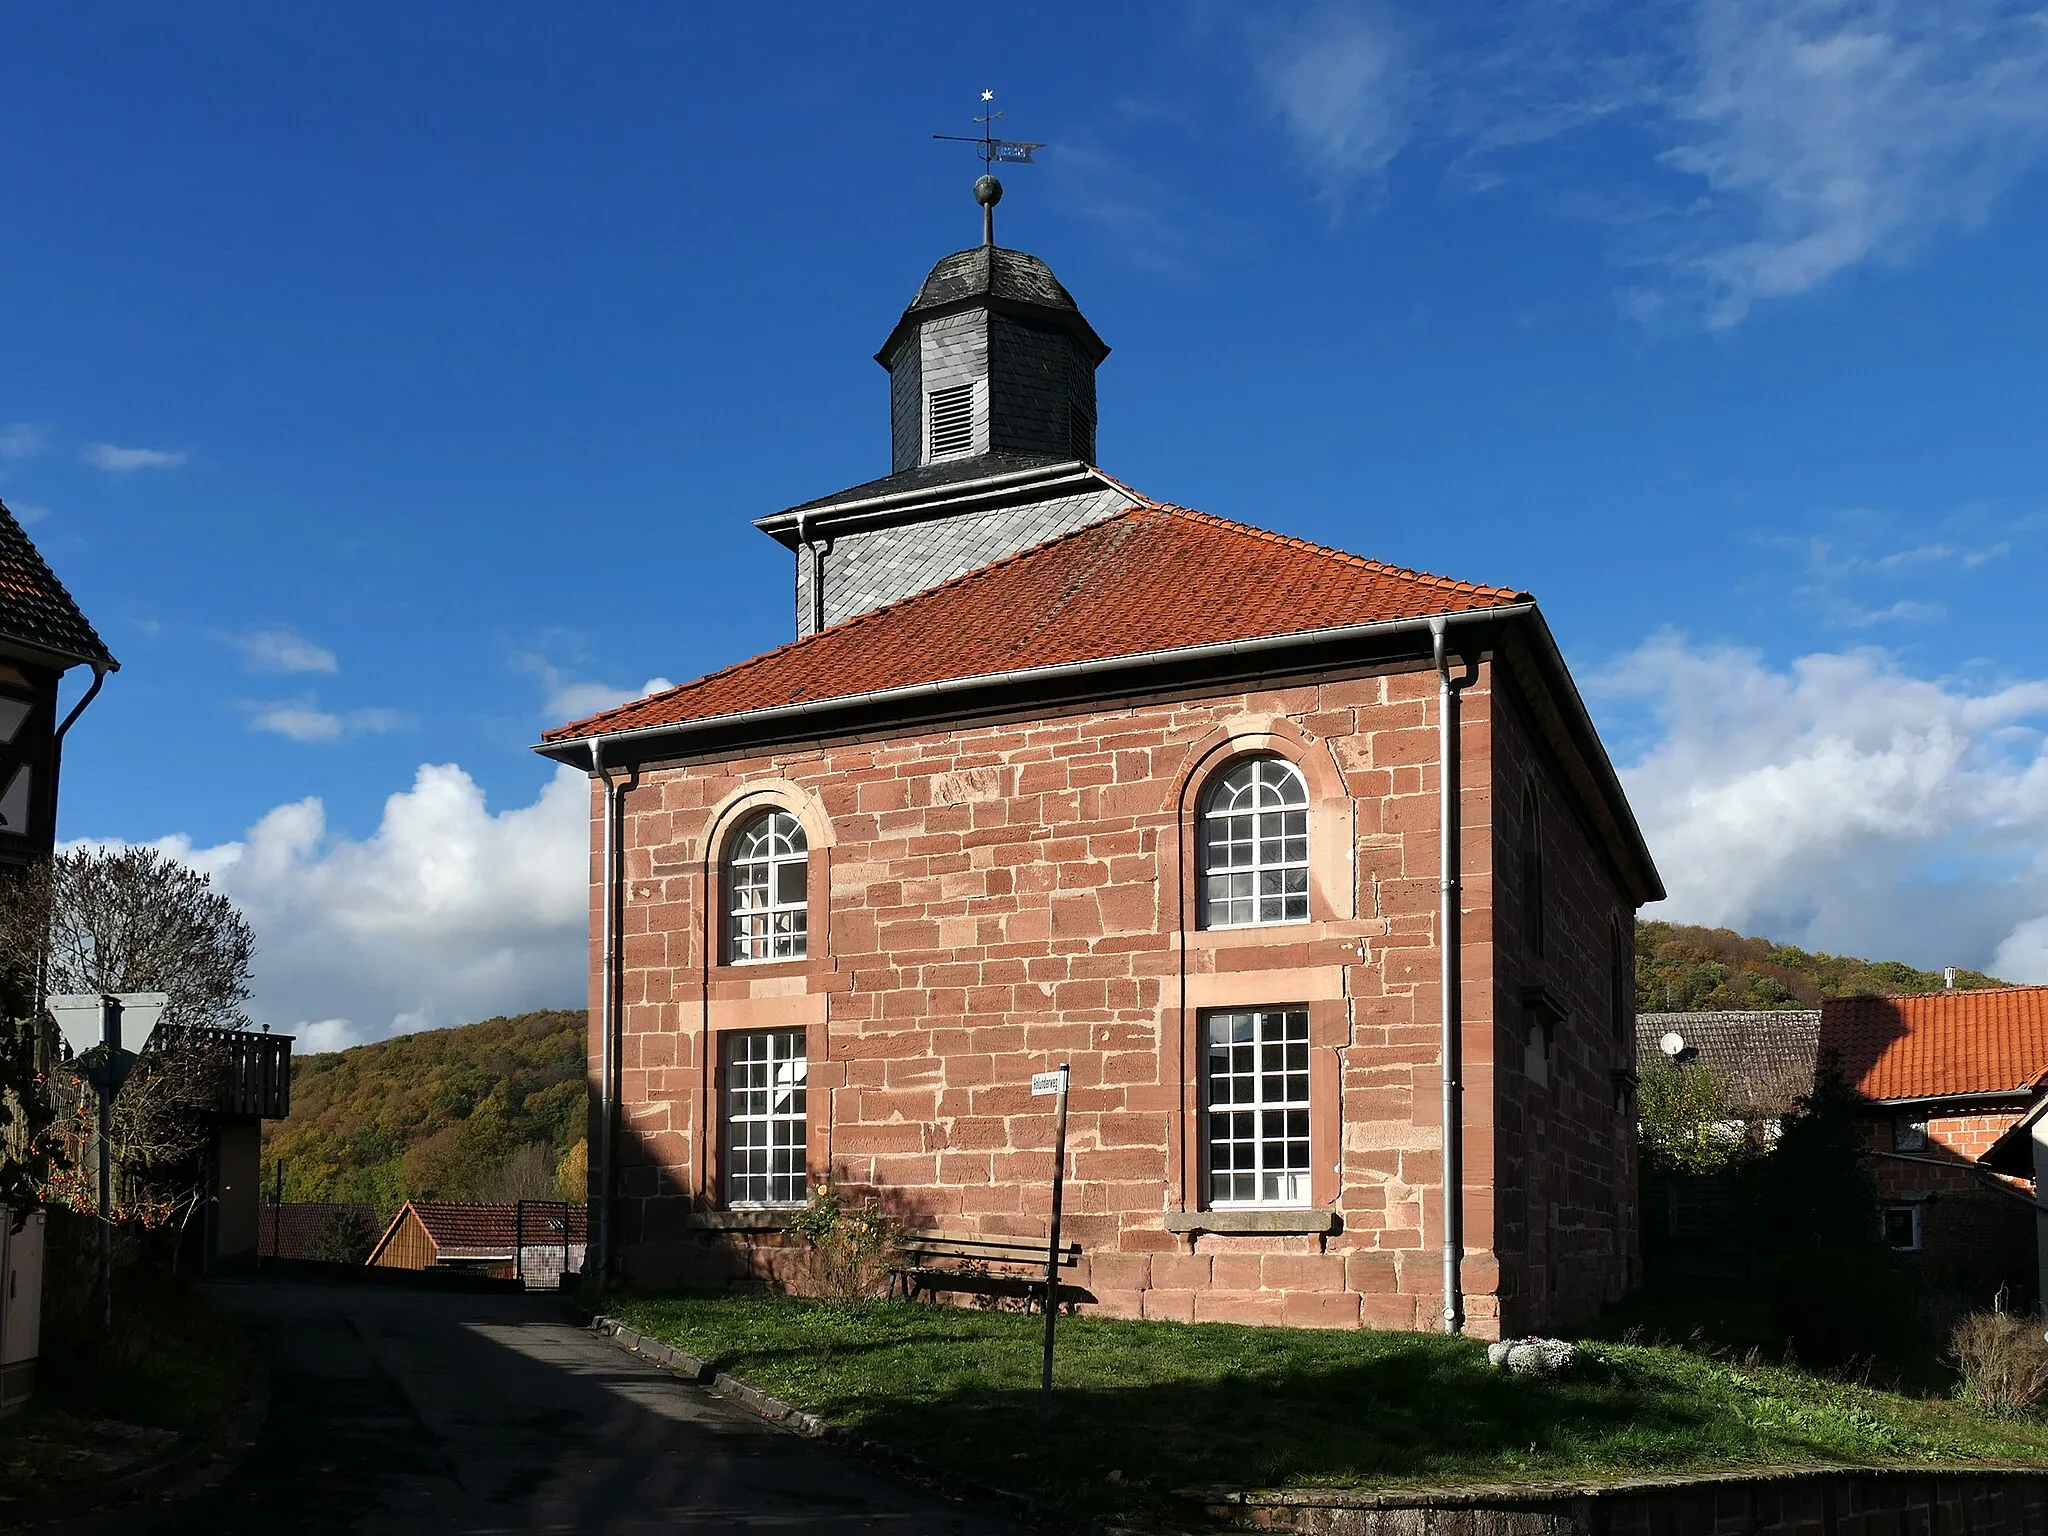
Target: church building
{"x":1312,"y":869}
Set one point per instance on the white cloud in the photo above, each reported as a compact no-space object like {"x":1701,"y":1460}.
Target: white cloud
{"x":1339,"y":81}
{"x":447,"y":912}
{"x":1843,"y":804}
{"x":281,"y":650}
{"x":1762,"y":146}
{"x":22,"y":440}
{"x":1833,"y":131}
{"x":303,"y":720}
{"x":122,"y":461}
{"x":572,"y":698}
{"x":25,"y":514}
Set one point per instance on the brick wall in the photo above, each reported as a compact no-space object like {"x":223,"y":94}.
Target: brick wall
{"x":1568,"y":1231}
{"x":989,"y":900}
{"x":1973,"y":1238}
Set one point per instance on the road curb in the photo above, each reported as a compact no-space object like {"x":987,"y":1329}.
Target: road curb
{"x":910,"y":1467}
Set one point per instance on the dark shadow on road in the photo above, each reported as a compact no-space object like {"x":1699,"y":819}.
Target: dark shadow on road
{"x":417,"y":1412}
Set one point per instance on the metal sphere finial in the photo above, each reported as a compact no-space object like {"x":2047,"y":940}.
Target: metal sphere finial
{"x":987,"y":191}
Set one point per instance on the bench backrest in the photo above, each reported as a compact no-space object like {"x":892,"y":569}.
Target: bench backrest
{"x":924,"y":1246}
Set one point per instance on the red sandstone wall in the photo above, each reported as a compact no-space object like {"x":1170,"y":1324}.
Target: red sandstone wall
{"x":1568,"y":1233}
{"x":987,"y":901}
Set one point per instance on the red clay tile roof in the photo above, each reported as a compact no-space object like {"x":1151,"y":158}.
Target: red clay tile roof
{"x":1152,"y":578}
{"x":1942,"y":1043}
{"x":490,"y":1227}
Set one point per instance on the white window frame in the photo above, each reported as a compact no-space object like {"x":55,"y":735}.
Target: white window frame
{"x":1246,"y":803}
{"x":1884,"y":1213}
{"x":765,"y":1108}
{"x":763,"y":922}
{"x":1260,"y":1071}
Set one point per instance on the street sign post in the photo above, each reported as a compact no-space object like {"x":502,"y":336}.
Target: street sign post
{"x":1054,"y":1083}
{"x":98,"y":1026}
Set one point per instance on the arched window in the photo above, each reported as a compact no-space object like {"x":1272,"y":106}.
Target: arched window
{"x":1532,"y":874}
{"x":766,"y":889}
{"x":1621,"y":1008}
{"x":1254,"y":845}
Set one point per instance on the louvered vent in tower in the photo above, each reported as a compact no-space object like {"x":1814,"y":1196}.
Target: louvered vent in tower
{"x":951,"y":429}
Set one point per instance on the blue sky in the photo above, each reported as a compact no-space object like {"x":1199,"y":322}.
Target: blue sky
{"x":388,"y":382}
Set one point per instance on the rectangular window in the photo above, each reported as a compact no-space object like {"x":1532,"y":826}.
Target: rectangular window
{"x":1909,"y":1134}
{"x":765,"y":1105}
{"x":1901,"y":1227}
{"x":951,"y":429}
{"x":1255,"y":1070}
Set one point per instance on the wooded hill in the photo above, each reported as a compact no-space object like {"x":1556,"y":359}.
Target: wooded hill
{"x":492,"y":1110}
{"x":496,"y":1110}
{"x":1684,"y":969}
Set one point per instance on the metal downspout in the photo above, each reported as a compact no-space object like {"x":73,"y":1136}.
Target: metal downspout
{"x":813,"y":555}
{"x":608,"y":1099}
{"x":99,"y":681}
{"x":1450,"y":1045}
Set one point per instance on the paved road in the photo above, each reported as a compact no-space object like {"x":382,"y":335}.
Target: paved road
{"x":402,"y":1412}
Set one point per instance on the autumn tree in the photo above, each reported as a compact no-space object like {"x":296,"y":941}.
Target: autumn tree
{"x":137,"y":920}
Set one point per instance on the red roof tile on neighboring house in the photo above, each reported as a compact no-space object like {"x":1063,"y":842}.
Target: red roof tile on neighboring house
{"x":490,"y":1228}
{"x":1940,"y":1044}
{"x":1153,"y":578}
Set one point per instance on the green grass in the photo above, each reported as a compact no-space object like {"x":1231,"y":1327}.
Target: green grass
{"x":1146,"y":1408}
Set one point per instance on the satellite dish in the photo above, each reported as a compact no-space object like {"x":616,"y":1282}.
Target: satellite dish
{"x":1672,"y":1044}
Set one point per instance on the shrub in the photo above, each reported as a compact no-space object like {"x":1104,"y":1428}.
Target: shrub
{"x":853,"y":1248}
{"x":1842,"y":1300}
{"x":344,"y":1237}
{"x":2003,"y":1360}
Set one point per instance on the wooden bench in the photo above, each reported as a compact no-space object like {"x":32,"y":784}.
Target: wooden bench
{"x":986,"y":1266}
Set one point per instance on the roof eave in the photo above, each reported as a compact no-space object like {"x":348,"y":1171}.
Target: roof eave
{"x":1071,"y":321}
{"x":56,"y":657}
{"x":787,"y":526}
{"x":572,"y":749}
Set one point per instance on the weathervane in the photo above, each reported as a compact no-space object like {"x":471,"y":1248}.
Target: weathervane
{"x":987,"y":190}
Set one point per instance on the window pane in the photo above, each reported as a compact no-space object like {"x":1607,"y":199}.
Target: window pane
{"x":1258,"y":1122}
{"x":765,"y":1131}
{"x":767,"y":878}
{"x":1254,"y":846}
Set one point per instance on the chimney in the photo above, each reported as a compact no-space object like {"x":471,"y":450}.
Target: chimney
{"x":1948,"y":978}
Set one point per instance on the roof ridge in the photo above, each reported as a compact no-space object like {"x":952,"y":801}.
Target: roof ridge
{"x":1888,"y":997}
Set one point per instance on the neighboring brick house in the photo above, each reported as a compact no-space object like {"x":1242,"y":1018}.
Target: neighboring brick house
{"x":1057,"y":772}
{"x":537,"y":1241}
{"x":1951,"y":1076}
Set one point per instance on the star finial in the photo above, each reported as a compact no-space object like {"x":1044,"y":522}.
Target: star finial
{"x":988,"y":95}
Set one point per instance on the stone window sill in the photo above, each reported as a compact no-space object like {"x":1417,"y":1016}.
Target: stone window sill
{"x":1267,"y":1223}
{"x":741,"y":1221}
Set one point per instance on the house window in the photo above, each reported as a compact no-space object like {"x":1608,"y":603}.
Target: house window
{"x":1909,"y":1134}
{"x":950,"y":429}
{"x":1256,"y":1067}
{"x":765,"y":1105}
{"x":1901,"y":1227}
{"x":1254,"y":850}
{"x":767,"y":880}
{"x":1532,"y":874}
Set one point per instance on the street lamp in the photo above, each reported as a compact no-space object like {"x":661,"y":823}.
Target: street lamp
{"x":99,"y":1028}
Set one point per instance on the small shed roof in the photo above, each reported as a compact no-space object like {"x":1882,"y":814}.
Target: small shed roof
{"x":471,"y":1230}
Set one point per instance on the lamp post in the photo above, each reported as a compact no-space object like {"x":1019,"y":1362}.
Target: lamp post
{"x":98,"y":1027}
